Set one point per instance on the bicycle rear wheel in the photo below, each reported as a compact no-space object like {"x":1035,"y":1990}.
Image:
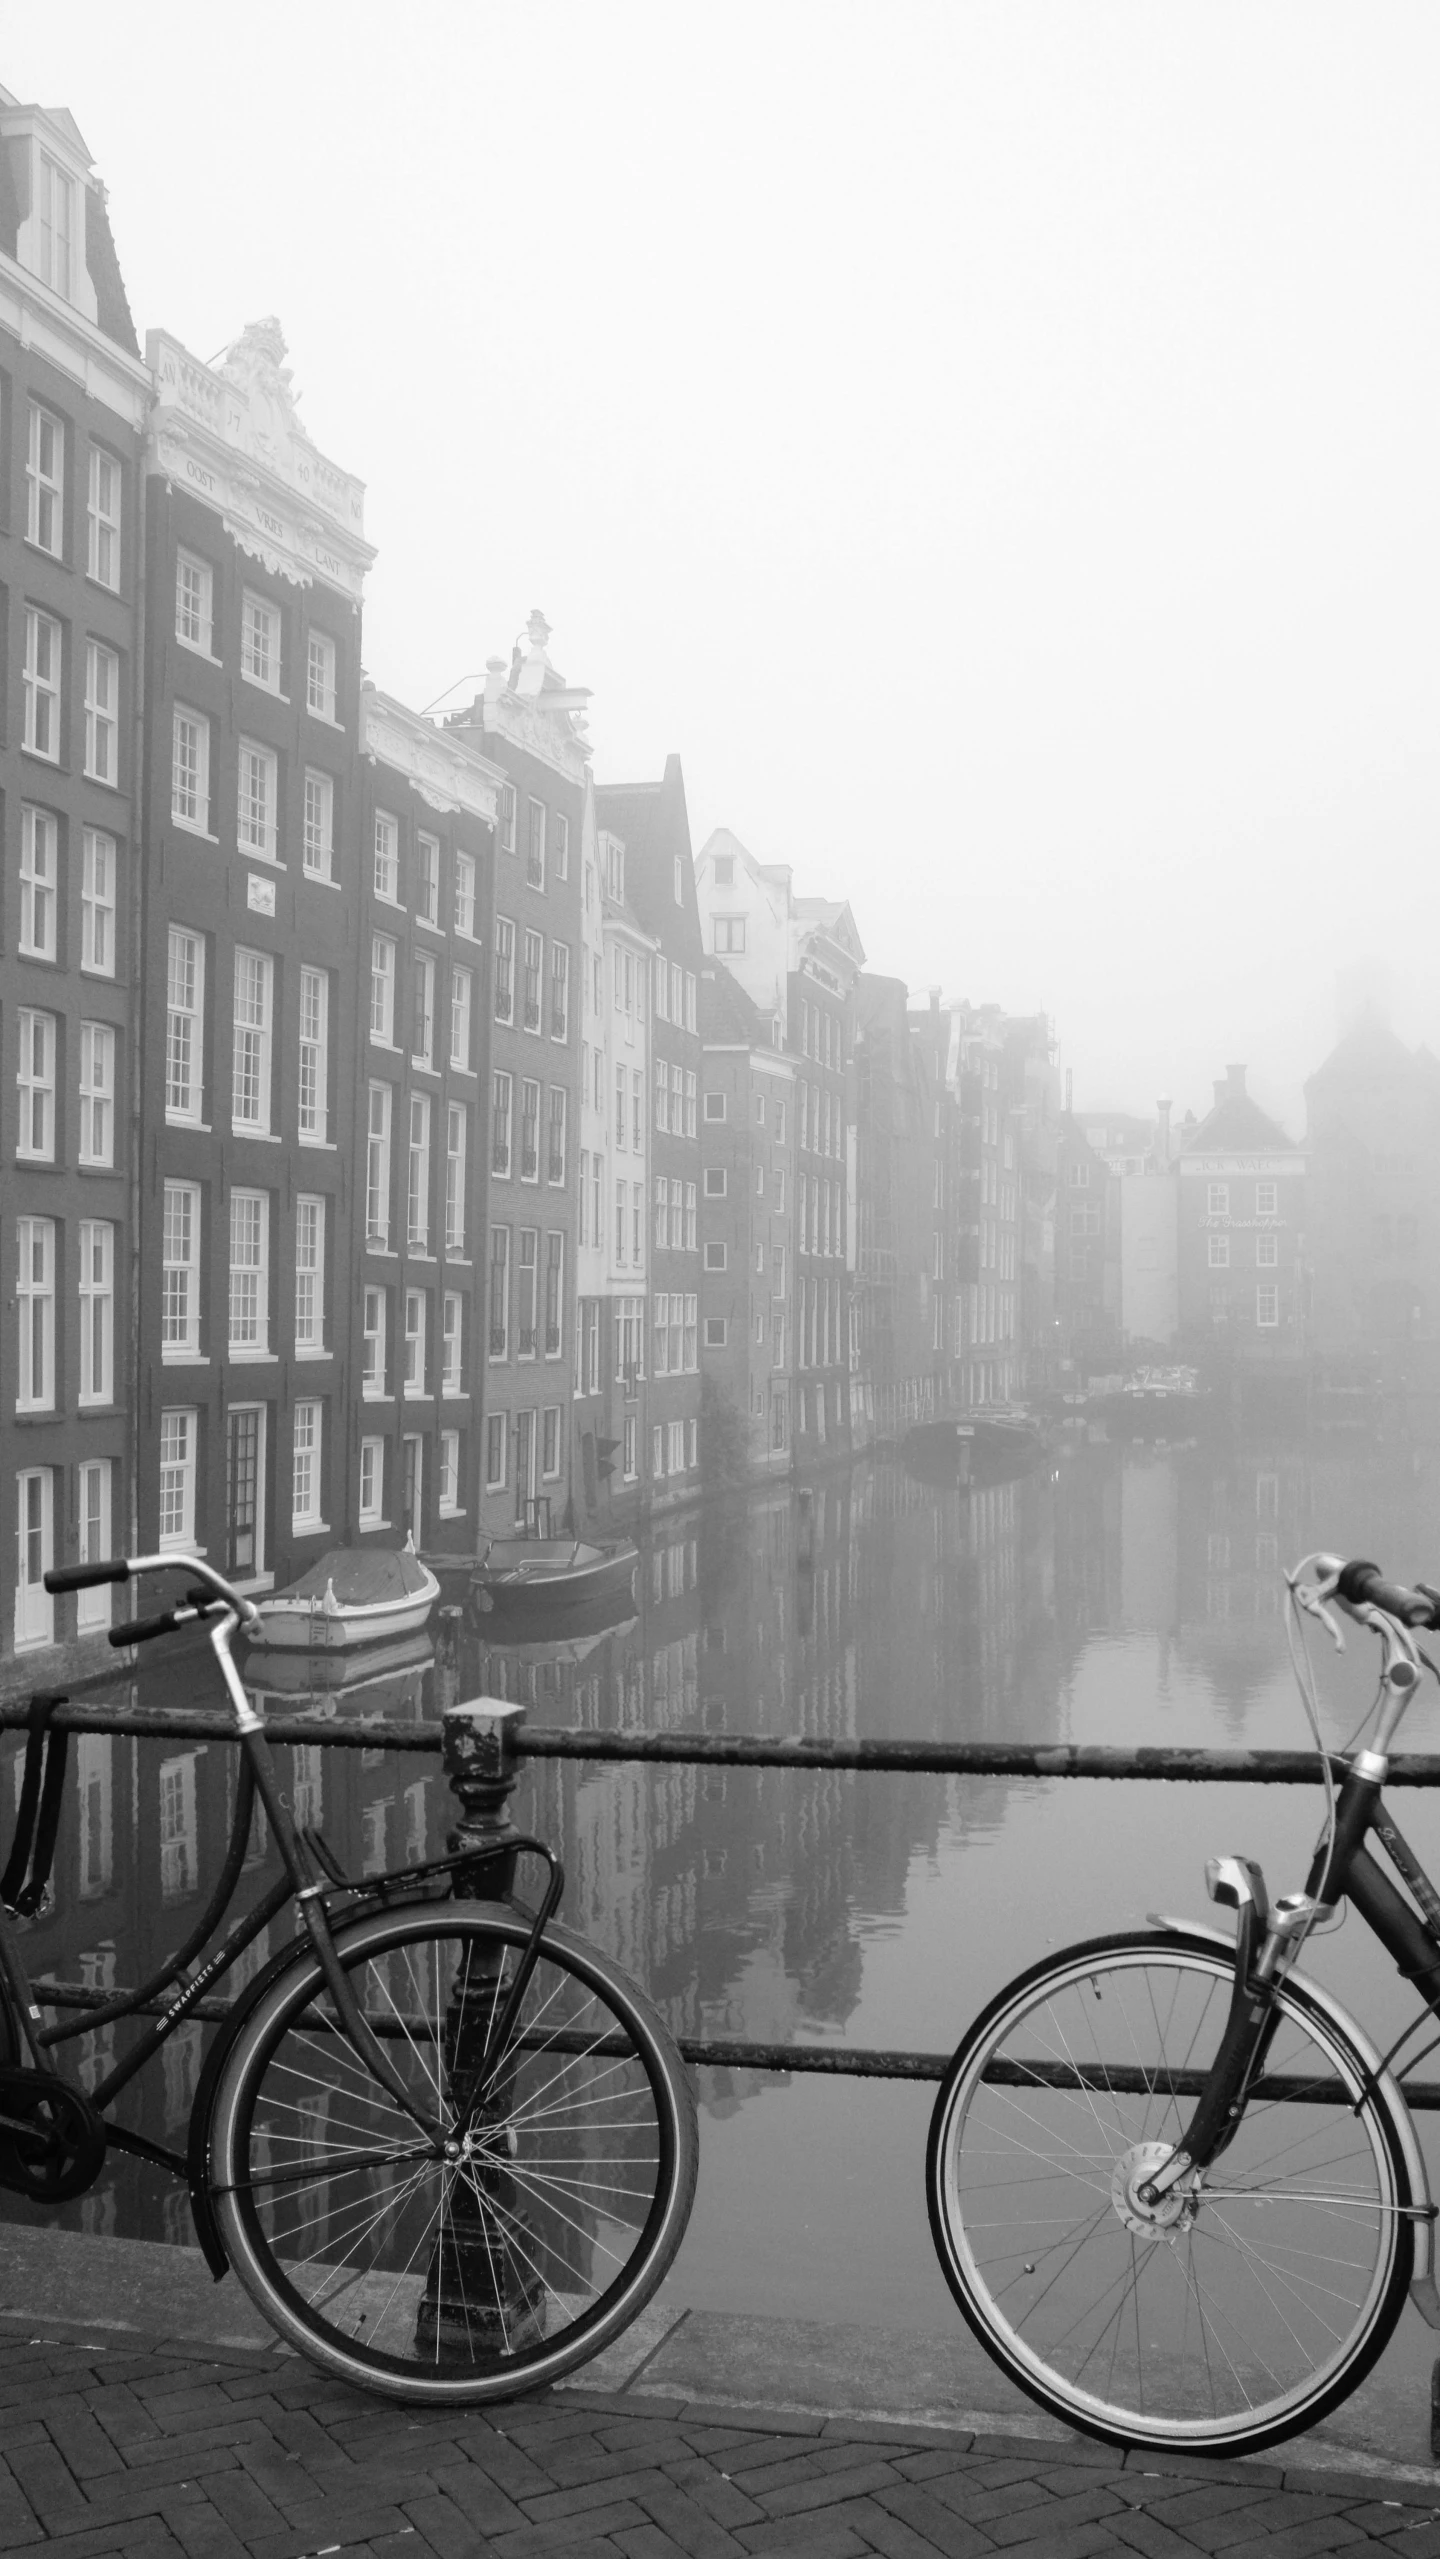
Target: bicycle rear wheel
{"x":465,"y":2278}
{"x":1238,"y":2313}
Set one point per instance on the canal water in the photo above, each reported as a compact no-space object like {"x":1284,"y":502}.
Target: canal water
{"x":1119,"y":1594}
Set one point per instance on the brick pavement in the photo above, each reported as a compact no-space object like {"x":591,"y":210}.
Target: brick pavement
{"x":173,"y":2453}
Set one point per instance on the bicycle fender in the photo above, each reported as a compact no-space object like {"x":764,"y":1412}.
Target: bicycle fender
{"x":197,"y":2152}
{"x":1423,"y":2291}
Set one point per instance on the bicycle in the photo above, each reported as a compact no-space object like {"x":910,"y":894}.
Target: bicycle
{"x":447,"y":2147}
{"x":1175,"y":2189}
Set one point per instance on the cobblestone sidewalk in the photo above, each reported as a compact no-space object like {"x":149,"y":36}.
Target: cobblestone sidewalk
{"x":236,"y":2455}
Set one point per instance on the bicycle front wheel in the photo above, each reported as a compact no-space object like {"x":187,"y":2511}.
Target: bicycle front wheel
{"x":1252,"y":2301}
{"x":465,"y":2277}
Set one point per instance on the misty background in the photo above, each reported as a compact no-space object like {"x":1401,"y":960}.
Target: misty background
{"x":995,"y":445}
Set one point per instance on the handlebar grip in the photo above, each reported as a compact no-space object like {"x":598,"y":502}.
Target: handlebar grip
{"x":139,"y":1630}
{"x":85,"y":1576}
{"x":1360,"y":1583}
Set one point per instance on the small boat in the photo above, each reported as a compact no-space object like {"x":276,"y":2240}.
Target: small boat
{"x":514,"y":1574}
{"x":353,"y":1595}
{"x":1157,"y":1403}
{"x":985,"y":1446}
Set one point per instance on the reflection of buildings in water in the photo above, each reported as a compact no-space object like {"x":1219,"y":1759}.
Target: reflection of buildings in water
{"x":1241,"y":1512}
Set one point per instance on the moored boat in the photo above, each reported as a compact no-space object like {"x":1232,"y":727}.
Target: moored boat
{"x":528,"y":1573}
{"x":352,"y":1595}
{"x":1157,"y":1403}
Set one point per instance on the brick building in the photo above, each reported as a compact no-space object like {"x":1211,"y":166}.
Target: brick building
{"x":911,"y":1259}
{"x":74,"y":396}
{"x":1242,"y":1220}
{"x":747,"y":1169}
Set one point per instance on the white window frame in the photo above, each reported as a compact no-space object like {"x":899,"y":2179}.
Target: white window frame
{"x":502,"y":1119}
{"x":179,"y":1436}
{"x":448,"y":1504}
{"x":533,"y":950}
{"x":194,"y":603}
{"x":1218,"y":1252}
{"x":102,"y":714}
{"x":320,"y":663}
{"x":35,"y":1084}
{"x":497,"y":1452}
{"x":314,"y":1057}
{"x":385,"y":876}
{"x":717,"y":1182}
{"x":1267,"y":1308}
{"x":60,"y":234}
{"x":560,"y":850}
{"x":1267,"y":1199}
{"x":35,"y":1308}
{"x":98,"y":1047}
{"x":535,"y":844}
{"x":504,"y":988}
{"x":557,"y":1120}
{"x":1217,"y":1199}
{"x":45,"y":481}
{"x":464,"y":908}
{"x":180,"y":1272}
{"x":422,"y":1009}
{"x":252,"y":1045}
{"x":417,"y":1175}
{"x":317,"y":854}
{"x":413,"y":1345}
{"x":462,"y":991}
{"x":559,"y":984}
{"x":97,"y":1311}
{"x":372,"y":1484}
{"x":452,"y":1343}
{"x":185,"y":1027}
{"x":260,"y":640}
{"x":382,"y":990}
{"x":374,"y":1311}
{"x":307,"y":1451}
{"x":190,"y":770}
{"x":94,"y":1490}
{"x":427,"y":880}
{"x":34,"y":1556}
{"x":44,"y":663}
{"x":498,"y":1270}
{"x":257,"y":792}
{"x":103,"y":513}
{"x":98,"y":891}
{"x":377,"y":1167}
{"x":39,"y":883}
{"x":1267,"y":1252}
{"x":717,"y":1257}
{"x":457,"y":1134}
{"x":249,"y":1268}
{"x":309,"y":1275}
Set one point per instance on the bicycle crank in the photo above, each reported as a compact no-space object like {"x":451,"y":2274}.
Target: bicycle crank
{"x":1165,"y":2216}
{"x":52,"y":2142}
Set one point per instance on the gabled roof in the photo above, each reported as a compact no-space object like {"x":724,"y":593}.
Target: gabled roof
{"x":1369,"y":1049}
{"x":1237,"y":1126}
{"x":834,"y":917}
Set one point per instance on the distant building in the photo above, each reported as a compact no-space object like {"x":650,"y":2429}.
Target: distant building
{"x":1374,"y":1151}
{"x":1000,"y":1068}
{"x":748,"y":1132}
{"x":911,"y":1259}
{"x":1150,"y":1258}
{"x":1242,"y":1218}
{"x":255,"y":562}
{"x":74,"y":397}
{"x":1087,"y":1251}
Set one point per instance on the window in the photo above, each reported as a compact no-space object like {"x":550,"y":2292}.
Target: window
{"x":637,"y":1111}
{"x":34,"y":1608}
{"x":255,"y":803}
{"x":449,"y":1474}
{"x":45,"y":483}
{"x":413,"y":1371}
{"x":504,"y":969}
{"x":42,"y":684}
{"x":310,"y":1272}
{"x":554,"y":1295}
{"x":387,"y":858}
{"x":662,"y":1094}
{"x":527,"y":1283}
{"x":417,"y":1175}
{"x":194,"y":602}
{"x":372,"y":1362}
{"x":529,"y":1132}
{"x":97,"y":1311}
{"x":180,"y":1271}
{"x":178,"y":1434}
{"x":715,"y":1257}
{"x":559,"y":990}
{"x":372,"y":1482}
{"x":97,"y":904}
{"x":1217,"y":1199}
{"x":621,"y":1090}
{"x":497,"y":1445}
{"x":530,"y":994}
{"x":1267,"y":1199}
{"x":422,"y":1011}
{"x":97,"y":1093}
{"x":260,"y":641}
{"x":184,"y":1025}
{"x":691,"y":1307}
{"x":460,"y":988}
{"x":254,"y":1007}
{"x":39,"y":873}
{"x":499,"y":1338}
{"x":1267,"y":1252}
{"x":714,"y":1332}
{"x":457,"y":1131}
{"x":561,"y":846}
{"x":729,"y":933}
{"x":314,"y":1055}
{"x":465,"y":893}
{"x":318,"y":841}
{"x":93,"y":1607}
{"x":102,"y":713}
{"x":452,"y":1316}
{"x":724,"y":870}
{"x":320,"y":675}
{"x":630,"y":1448}
{"x":35,"y":1303}
{"x":620,"y":1223}
{"x":306,"y":1480}
{"x":657,"y":1449}
{"x":249,"y":1271}
{"x":715,"y":1181}
{"x":507,"y":817}
{"x":35,"y":1077}
{"x":780,"y":1190}
{"x":502,"y":1088}
{"x":1219,"y":1252}
{"x":715,"y":1106}
{"x":382,"y":989}
{"x":662,"y":1211}
{"x":1267,"y":1306}
{"x":637,"y":1222}
{"x":555,"y":1135}
{"x":377,"y":1168}
{"x":535,"y":846}
{"x":690,"y":1218}
{"x":57,"y":227}
{"x":190,"y":770}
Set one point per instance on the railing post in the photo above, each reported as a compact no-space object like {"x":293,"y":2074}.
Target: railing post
{"x":482,"y":2296}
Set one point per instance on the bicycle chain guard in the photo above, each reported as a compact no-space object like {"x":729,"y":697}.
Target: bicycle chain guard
{"x":52,"y":2141}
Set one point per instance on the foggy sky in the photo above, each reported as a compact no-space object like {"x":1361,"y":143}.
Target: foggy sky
{"x":996,"y":446}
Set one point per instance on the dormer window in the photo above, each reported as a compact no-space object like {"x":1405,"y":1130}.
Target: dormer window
{"x":724,"y":870}
{"x":57,"y":227}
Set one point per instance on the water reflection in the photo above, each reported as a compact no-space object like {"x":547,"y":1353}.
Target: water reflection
{"x":1117,"y":1594}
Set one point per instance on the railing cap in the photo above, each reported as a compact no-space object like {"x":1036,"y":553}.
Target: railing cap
{"x":490,"y":1710}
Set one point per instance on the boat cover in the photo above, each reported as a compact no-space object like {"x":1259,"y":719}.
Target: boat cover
{"x":364,"y":1576}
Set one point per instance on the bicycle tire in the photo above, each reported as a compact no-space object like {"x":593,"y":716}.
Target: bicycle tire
{"x":1255,"y":2312}
{"x":453,"y":2281}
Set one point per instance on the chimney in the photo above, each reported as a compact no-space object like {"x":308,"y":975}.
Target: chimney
{"x":1162,"y":1133}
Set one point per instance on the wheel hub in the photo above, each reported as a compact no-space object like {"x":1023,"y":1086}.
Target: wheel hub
{"x":1168,"y":2215}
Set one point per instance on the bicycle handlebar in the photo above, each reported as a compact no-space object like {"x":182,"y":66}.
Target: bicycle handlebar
{"x":86,"y":1576}
{"x":1362,"y":1585}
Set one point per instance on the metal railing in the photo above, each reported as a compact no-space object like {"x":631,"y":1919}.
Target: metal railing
{"x":1096,"y":1761}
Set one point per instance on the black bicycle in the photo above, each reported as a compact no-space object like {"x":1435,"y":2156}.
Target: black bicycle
{"x":447,"y":2147}
{"x":1175,"y":2189}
